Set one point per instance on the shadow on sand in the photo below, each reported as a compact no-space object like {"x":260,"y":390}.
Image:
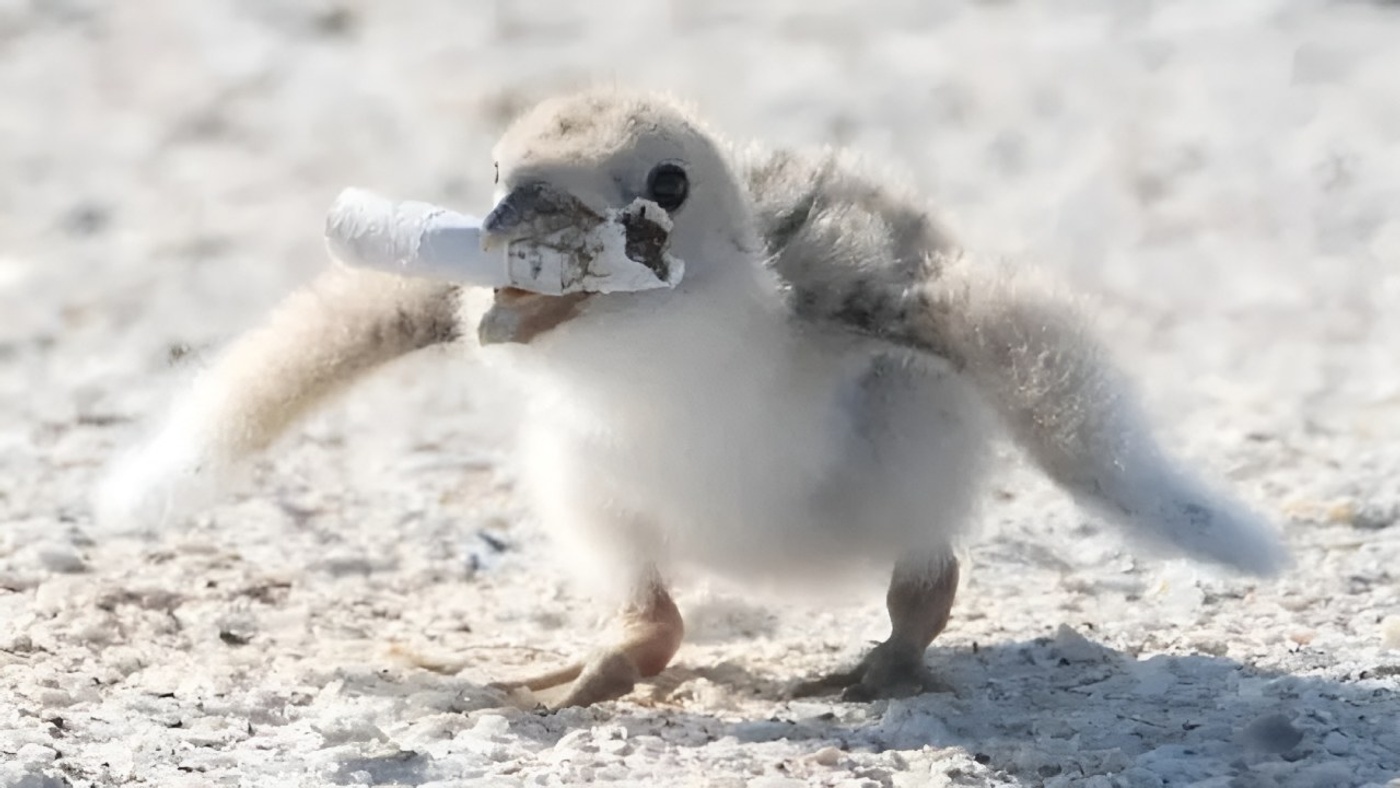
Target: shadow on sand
{"x":1057,"y":710}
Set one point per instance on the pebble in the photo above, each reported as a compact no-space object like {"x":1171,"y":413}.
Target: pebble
{"x":649,"y":743}
{"x":1390,"y":632}
{"x":36,"y":753}
{"x":755,"y":731}
{"x":613,"y":772}
{"x":579,"y":739}
{"x":343,"y":730}
{"x":1273,"y":733}
{"x":491,"y":725}
{"x":1337,"y":743}
{"x":53,"y":595}
{"x":827,"y":756}
{"x":614,"y":747}
{"x":33,"y":779}
{"x":61,"y":558}
{"x":706,"y":694}
{"x":213,"y":731}
{"x":1074,"y":647}
{"x":55,"y":697}
{"x":18,"y":582}
{"x":95,"y":630}
{"x":802,"y":710}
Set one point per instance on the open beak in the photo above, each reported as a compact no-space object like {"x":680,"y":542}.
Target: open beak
{"x":531,"y":210}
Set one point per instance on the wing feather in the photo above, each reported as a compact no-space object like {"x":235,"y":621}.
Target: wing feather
{"x":870,"y":259}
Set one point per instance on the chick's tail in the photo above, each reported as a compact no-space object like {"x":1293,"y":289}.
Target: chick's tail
{"x":315,"y":344}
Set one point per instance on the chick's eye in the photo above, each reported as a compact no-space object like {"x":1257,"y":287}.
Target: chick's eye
{"x":668,"y":186}
{"x":496,"y":177}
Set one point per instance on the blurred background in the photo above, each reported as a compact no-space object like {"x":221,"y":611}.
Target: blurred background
{"x":1222,"y":179}
{"x":167,"y":163}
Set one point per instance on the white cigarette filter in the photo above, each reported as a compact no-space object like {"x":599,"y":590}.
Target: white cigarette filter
{"x":624,"y":251}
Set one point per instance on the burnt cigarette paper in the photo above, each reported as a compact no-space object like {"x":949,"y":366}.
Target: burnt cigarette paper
{"x":623,"y":251}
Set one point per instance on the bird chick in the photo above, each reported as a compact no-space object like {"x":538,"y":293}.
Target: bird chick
{"x":818,"y":393}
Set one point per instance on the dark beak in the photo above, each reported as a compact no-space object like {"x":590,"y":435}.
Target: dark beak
{"x":505,"y":219}
{"x":533,"y":210}
{"x":530,"y":211}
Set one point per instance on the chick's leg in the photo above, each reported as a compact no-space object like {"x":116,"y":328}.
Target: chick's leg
{"x":649,"y":633}
{"x":919,"y":599}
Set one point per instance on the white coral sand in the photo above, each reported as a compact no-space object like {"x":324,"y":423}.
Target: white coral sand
{"x":1220,"y":177}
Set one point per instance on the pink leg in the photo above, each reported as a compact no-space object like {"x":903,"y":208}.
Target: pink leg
{"x":919,"y":600}
{"x":652,"y":630}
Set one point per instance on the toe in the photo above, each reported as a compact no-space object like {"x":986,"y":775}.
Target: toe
{"x":606,"y":677}
{"x":825,"y":685}
{"x":888,"y":671}
{"x":881,"y":685}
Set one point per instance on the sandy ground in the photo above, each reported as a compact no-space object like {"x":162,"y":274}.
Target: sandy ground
{"x":1223,"y":177}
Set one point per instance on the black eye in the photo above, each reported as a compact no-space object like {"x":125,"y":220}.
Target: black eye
{"x":497,"y":166}
{"x":668,"y":186}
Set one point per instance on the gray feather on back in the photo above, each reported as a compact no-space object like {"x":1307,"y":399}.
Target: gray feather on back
{"x":849,"y":249}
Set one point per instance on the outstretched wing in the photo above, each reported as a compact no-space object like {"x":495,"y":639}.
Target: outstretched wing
{"x":853,"y":253}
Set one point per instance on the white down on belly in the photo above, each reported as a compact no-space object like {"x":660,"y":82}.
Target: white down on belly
{"x":717,"y":430}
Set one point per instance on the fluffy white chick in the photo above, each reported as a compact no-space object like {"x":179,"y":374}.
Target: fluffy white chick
{"x":817,"y":394}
